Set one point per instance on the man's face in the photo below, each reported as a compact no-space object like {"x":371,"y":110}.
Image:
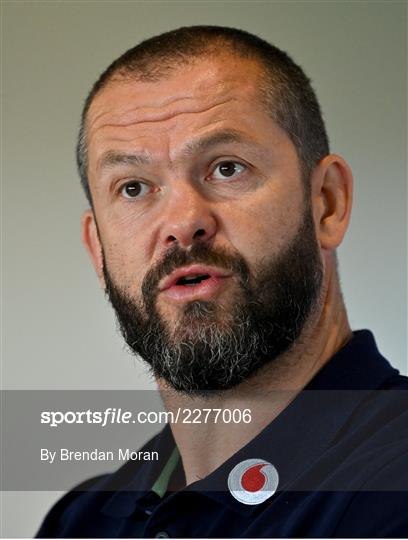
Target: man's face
{"x":210,"y":256}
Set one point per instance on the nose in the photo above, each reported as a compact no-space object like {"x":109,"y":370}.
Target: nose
{"x":187,"y":219}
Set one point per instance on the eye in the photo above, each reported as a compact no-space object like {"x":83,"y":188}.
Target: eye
{"x":227,"y":169}
{"x":135,"y":189}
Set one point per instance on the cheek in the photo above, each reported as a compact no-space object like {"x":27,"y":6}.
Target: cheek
{"x":126,"y":234}
{"x":124,"y":258}
{"x":263,"y":228}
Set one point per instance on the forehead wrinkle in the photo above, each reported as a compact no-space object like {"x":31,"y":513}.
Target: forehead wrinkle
{"x":142,"y":115}
{"x":138,"y":157}
{"x":110,"y":158}
{"x":201,"y":144}
{"x":103,"y":113}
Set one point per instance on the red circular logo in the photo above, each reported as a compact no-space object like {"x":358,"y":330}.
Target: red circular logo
{"x":253,"y":481}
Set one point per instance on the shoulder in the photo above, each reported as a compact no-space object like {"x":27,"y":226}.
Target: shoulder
{"x":89,"y":493}
{"x":378,"y":437}
{"x":379,"y":508}
{"x":380,"y":413}
{"x":79,"y":512}
{"x":383,"y":415}
{"x":376,"y":434}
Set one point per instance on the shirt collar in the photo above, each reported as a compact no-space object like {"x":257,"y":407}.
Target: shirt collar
{"x":135,"y":481}
{"x":297,"y":436}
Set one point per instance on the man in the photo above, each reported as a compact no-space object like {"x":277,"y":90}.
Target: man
{"x":216,"y":210}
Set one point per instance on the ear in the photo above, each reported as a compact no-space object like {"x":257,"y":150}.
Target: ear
{"x":332,"y":194}
{"x":90,"y":239}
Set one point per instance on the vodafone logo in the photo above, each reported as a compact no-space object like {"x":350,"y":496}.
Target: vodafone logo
{"x":253,"y":481}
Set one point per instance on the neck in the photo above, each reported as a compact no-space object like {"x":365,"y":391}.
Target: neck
{"x":205,"y":446}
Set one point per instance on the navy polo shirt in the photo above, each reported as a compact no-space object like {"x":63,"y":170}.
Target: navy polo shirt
{"x":340,"y":449}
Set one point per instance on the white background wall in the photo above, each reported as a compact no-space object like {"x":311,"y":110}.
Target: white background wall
{"x":58,"y":331}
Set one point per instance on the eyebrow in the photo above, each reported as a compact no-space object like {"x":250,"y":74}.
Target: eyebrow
{"x":214,"y":139}
{"x":111,"y":158}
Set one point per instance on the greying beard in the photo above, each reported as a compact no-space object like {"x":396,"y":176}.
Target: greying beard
{"x":212,"y":347}
{"x":226,"y":353}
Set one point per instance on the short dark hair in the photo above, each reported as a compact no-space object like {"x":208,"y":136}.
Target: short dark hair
{"x":285,"y":88}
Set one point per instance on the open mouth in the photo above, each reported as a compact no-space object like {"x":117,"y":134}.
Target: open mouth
{"x":194,"y":282}
{"x":192,"y":279}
